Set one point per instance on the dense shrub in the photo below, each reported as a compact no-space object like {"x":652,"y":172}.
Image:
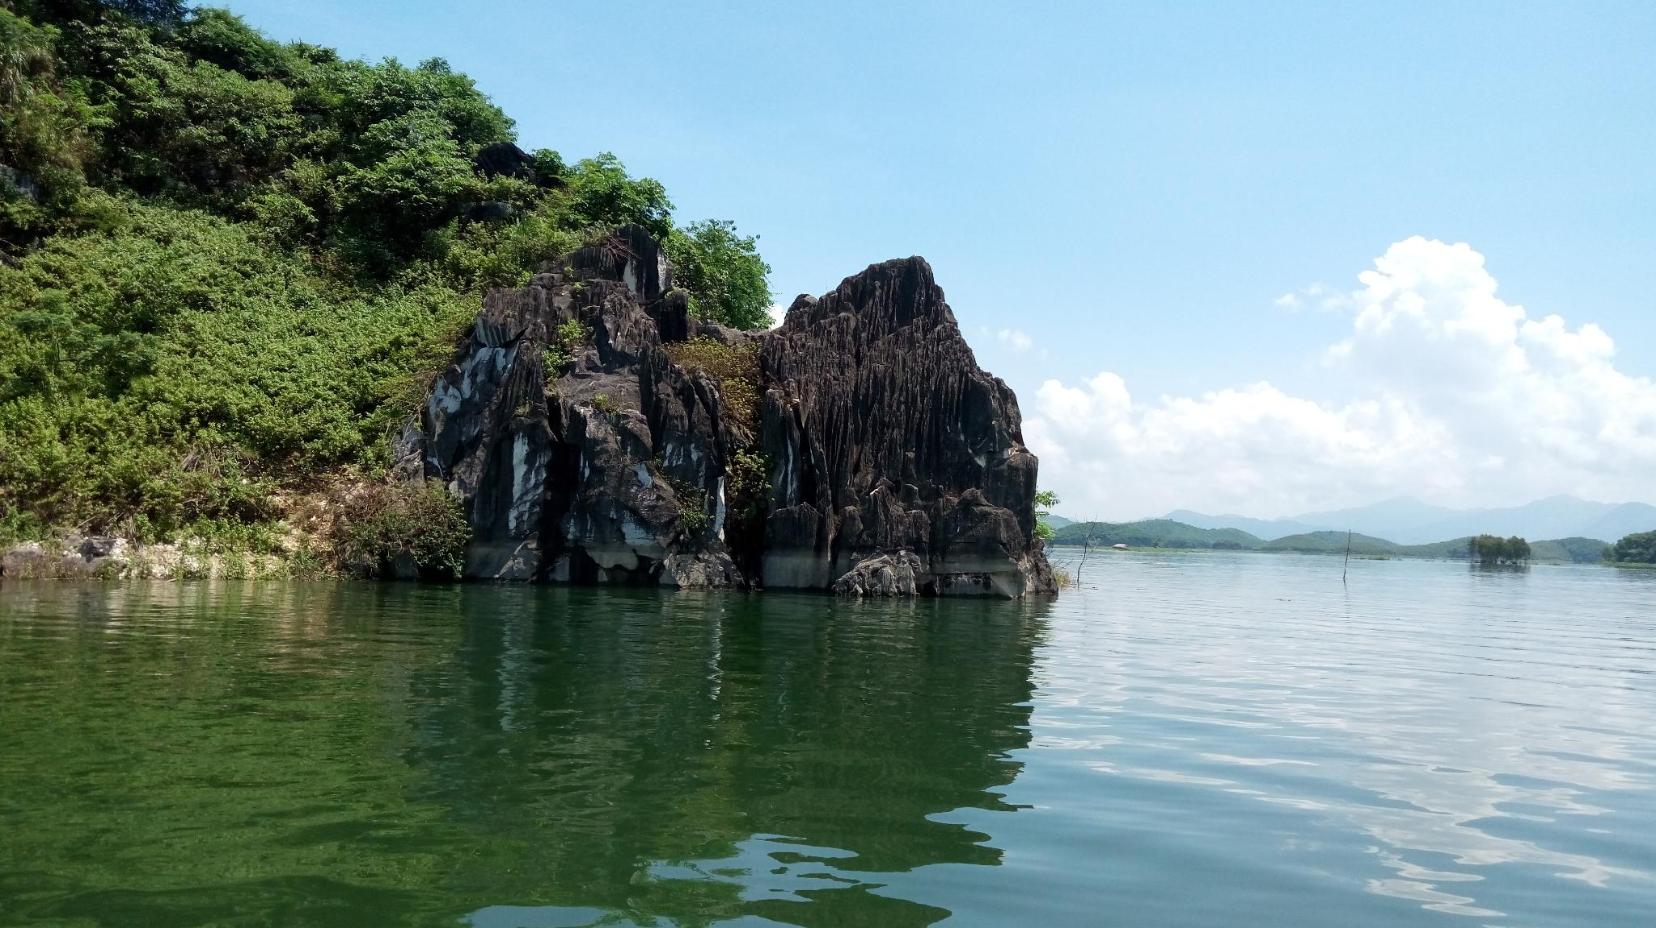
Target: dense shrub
{"x":734,"y":369}
{"x":1638,"y":548}
{"x":388,"y":531}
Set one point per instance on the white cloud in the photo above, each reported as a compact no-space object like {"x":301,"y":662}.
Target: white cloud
{"x":1314,"y":296}
{"x":1458,"y":396}
{"x":776,"y":311}
{"x":1017,"y":339}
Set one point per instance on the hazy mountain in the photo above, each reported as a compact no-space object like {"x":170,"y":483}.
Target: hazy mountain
{"x":1402,"y":520}
{"x":1621,"y":520}
{"x":1057,"y":521}
{"x":1411,"y":522}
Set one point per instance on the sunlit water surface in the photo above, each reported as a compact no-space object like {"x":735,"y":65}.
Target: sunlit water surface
{"x":1185,"y":740}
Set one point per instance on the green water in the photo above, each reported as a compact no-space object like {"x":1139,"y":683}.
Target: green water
{"x":1186,"y":740}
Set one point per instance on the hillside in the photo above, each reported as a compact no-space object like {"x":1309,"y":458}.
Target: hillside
{"x":1153,"y":533}
{"x":230,"y":266}
{"x":1333,"y":543}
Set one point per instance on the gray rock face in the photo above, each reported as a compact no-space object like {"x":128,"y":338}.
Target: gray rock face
{"x":895,"y":574}
{"x":605,"y":467}
{"x":885,"y":435}
{"x":890,"y":454}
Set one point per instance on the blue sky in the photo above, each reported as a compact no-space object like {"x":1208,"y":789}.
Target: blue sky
{"x":1130,"y":189}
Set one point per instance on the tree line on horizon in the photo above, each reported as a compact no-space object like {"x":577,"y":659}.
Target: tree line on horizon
{"x":1490,"y":549}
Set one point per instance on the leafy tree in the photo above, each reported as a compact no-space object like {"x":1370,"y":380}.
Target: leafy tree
{"x":598,"y":191}
{"x":1638,"y":548}
{"x":722,"y":272}
{"x":1493,"y":550}
{"x":1044,"y":501}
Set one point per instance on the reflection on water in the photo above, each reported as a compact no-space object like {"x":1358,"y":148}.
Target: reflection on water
{"x":1200,"y":740}
{"x":503,"y":755}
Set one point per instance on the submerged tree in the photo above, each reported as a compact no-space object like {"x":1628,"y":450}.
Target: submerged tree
{"x":1493,"y":550}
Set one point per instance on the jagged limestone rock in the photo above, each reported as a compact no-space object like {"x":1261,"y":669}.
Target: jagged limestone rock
{"x":608,"y":468}
{"x":608,"y":463}
{"x":886,"y":435}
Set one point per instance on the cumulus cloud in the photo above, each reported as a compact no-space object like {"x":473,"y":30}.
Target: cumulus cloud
{"x":1455,"y":395}
{"x":776,"y":311}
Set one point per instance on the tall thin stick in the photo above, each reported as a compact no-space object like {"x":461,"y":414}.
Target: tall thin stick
{"x":1347,"y":565}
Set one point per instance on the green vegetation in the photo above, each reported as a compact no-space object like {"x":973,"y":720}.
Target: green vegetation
{"x":1334,"y":543}
{"x":566,"y":340}
{"x":230,"y":265}
{"x":1044,"y":501}
{"x":1165,"y":533}
{"x":390,"y":531}
{"x":1638,"y":548}
{"x":1152,"y":533}
{"x":1495,"y":551}
{"x":723,"y":273}
{"x":734,"y":369}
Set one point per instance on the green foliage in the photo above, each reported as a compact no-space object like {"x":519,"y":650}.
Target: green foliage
{"x":722,"y":272}
{"x":388,"y":527}
{"x":1492,"y":550}
{"x":734,"y":369}
{"x":567,"y":338}
{"x":46,"y":127}
{"x":1044,"y":501}
{"x":231,"y":264}
{"x":1151,"y":533}
{"x":599,"y":190}
{"x":694,"y":519}
{"x":604,"y":405}
{"x":167,"y":370}
{"x":1638,"y":548}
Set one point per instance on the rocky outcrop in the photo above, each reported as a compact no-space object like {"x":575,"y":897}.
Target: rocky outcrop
{"x":878,"y":452}
{"x":580,"y":451}
{"x":886,"y":436}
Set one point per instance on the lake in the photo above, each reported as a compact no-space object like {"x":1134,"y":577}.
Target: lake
{"x":1183,"y":740}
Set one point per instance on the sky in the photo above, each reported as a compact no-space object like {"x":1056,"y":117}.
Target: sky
{"x":1259,"y":258}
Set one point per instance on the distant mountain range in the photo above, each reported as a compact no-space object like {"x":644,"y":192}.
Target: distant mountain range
{"x":1407,"y":521}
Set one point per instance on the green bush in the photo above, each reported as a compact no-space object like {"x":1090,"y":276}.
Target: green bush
{"x":734,"y":369}
{"x":386,"y":529}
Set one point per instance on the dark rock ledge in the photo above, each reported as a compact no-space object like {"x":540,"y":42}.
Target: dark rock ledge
{"x":888,"y":461}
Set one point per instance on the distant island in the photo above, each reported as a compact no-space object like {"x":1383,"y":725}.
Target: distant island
{"x":1166,"y":533}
